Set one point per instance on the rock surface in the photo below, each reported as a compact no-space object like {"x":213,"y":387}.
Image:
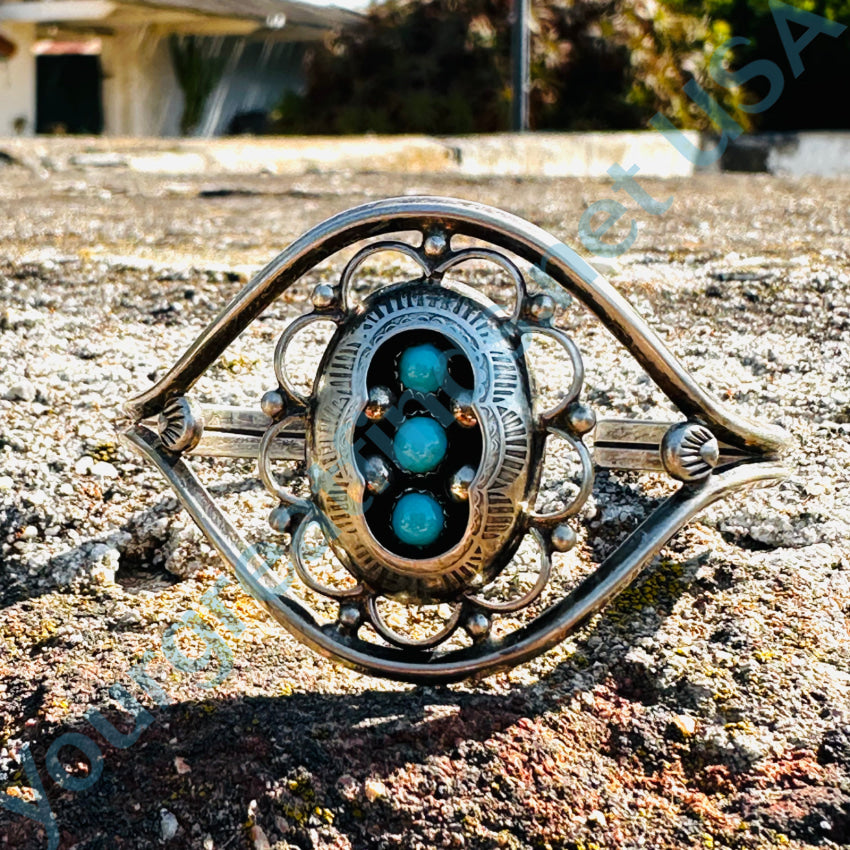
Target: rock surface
{"x":708,"y":707}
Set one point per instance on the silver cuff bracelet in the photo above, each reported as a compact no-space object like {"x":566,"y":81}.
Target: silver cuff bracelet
{"x":423,"y":445}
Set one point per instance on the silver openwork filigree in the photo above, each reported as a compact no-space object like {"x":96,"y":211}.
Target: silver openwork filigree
{"x":423,"y":445}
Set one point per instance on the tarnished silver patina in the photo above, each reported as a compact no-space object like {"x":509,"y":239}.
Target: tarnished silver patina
{"x":425,"y":489}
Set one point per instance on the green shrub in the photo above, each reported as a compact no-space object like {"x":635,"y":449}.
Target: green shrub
{"x":443,"y":66}
{"x":814,"y":100}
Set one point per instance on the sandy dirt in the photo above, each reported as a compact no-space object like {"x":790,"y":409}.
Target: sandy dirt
{"x":708,"y":707}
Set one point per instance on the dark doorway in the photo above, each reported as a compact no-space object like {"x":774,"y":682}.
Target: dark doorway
{"x":69,"y":94}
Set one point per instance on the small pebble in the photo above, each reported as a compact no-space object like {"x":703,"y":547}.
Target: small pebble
{"x":23,"y":390}
{"x":168,"y":825}
{"x":374,"y":789}
{"x":348,"y":787}
{"x":84,"y":465}
{"x":261,"y":842}
{"x":597,"y":818}
{"x":685,"y":723}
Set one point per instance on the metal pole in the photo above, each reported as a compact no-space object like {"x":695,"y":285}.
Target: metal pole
{"x":521,"y":61}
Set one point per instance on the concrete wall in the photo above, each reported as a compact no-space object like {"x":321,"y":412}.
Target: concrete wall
{"x":821,"y":153}
{"x":519,"y":153}
{"x":571,"y":154}
{"x":17,"y":80}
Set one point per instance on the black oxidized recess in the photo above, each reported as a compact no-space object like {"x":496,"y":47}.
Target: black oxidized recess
{"x":379,"y":438}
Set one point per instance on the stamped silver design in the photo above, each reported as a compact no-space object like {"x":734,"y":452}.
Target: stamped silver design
{"x":499,"y":400}
{"x":181,"y":424}
{"x":689,"y":451}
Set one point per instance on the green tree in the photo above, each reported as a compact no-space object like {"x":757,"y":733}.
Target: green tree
{"x":443,"y":66}
{"x":815,"y":99}
{"x":615,"y":64}
{"x":434,"y":67}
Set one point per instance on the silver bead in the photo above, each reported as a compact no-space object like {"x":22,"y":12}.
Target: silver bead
{"x":378,"y":474}
{"x":280,"y":519}
{"x":689,"y":451}
{"x":272,"y":404}
{"x":463,"y":411}
{"x":581,"y":418}
{"x":477,"y":625}
{"x":460,"y":483}
{"x":435,"y":244}
{"x":181,"y":424}
{"x":541,"y":307}
{"x":563,"y":538}
{"x":380,"y":401}
{"x":323,"y":296}
{"x":350,"y":616}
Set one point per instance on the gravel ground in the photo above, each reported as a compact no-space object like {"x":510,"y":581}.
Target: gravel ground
{"x":708,"y":707}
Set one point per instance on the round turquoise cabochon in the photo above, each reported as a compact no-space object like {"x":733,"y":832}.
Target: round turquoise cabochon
{"x":417,"y":519}
{"x":420,"y":444}
{"x":423,"y":368}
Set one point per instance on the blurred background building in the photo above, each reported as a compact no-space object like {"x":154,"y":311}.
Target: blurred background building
{"x":143,"y":68}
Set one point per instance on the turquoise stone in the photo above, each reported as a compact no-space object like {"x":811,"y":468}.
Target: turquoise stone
{"x":420,"y":444}
{"x":417,"y":519}
{"x":423,"y":368}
